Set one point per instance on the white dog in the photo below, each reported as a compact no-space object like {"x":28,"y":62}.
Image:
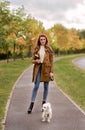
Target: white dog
{"x":46,"y":112}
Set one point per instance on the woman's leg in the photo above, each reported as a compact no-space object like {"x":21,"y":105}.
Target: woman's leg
{"x":45,"y":93}
{"x":34,"y":92}
{"x":36,"y":86}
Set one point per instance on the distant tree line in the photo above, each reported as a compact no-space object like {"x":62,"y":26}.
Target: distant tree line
{"x":67,"y":41}
{"x":19,"y":32}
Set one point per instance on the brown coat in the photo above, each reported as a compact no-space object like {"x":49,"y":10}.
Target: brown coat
{"x":47,"y":65}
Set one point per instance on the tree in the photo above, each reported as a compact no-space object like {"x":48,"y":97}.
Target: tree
{"x":21,"y":44}
{"x":74,"y":42}
{"x":81,"y":34}
{"x":4,"y":30}
{"x":60,"y":36}
{"x":31,"y":30}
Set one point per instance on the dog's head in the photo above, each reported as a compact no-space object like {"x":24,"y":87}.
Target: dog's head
{"x":46,"y":107}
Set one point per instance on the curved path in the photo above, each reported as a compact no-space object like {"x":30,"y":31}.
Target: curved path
{"x":80,"y":62}
{"x":66,"y":114}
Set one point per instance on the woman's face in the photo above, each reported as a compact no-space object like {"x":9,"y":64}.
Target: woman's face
{"x":43,"y":40}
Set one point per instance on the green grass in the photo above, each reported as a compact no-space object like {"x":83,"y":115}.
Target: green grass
{"x":71,"y":80}
{"x":9,"y":73}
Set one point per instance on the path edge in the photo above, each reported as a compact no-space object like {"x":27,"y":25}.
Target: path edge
{"x":68,"y":97}
{"x":9,"y":98}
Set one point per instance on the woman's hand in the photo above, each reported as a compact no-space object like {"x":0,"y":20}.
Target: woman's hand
{"x":38,"y":61}
{"x":51,"y":76}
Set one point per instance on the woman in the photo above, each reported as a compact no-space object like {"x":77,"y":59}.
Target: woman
{"x":43,"y":68}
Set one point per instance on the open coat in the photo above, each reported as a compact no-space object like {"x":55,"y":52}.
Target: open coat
{"x":47,"y":65}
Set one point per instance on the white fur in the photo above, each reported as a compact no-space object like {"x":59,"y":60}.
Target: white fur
{"x":46,"y":112}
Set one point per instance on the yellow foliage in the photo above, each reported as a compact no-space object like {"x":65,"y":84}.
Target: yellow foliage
{"x":12,"y":35}
{"x":21,"y":41}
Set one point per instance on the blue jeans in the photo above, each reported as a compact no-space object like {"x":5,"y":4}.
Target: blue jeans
{"x":36,"y":86}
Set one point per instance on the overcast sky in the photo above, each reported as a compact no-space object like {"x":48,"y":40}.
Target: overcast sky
{"x":70,"y":13}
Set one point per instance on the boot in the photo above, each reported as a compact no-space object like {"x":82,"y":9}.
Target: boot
{"x":43,"y":102}
{"x":30,"y":107}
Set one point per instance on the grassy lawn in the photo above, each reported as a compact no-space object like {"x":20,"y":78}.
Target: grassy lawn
{"x":9,"y":73}
{"x":71,"y":80}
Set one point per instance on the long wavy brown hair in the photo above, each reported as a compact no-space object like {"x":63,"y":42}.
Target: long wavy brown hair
{"x":36,"y":49}
{"x":38,"y":41}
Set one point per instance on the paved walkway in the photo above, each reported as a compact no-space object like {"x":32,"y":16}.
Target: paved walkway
{"x":80,"y":62}
{"x":66,"y":115}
